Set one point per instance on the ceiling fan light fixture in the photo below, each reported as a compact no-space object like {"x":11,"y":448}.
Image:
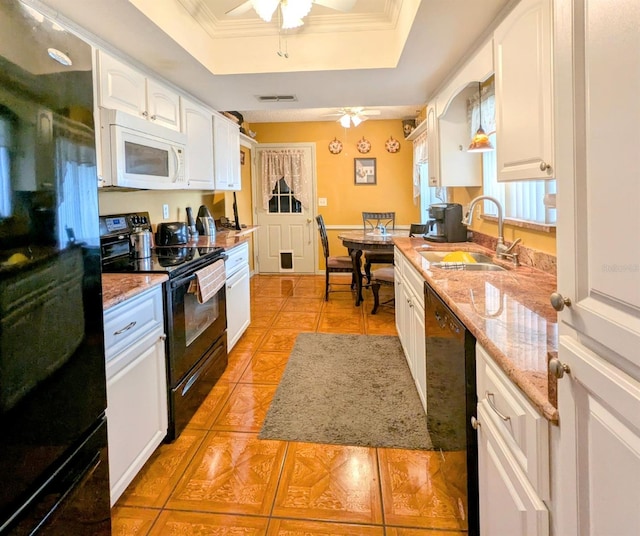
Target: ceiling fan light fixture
{"x":265,"y":8}
{"x":345,"y":121}
{"x":356,"y":120}
{"x":295,"y":9}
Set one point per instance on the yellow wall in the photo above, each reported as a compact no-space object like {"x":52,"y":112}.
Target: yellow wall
{"x":243,"y":199}
{"x":335,"y":173}
{"x":538,"y":240}
{"x":118,"y":202}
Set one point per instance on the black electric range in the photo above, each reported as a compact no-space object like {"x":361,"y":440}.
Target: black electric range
{"x":115,"y":231}
{"x":196,"y":340}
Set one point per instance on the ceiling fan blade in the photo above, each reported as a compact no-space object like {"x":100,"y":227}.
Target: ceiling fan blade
{"x":338,"y":5}
{"x":239,"y":10}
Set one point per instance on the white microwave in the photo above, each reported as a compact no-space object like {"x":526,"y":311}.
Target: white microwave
{"x":137,"y":153}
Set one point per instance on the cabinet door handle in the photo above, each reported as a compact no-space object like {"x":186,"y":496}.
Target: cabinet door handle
{"x":492,"y":405}
{"x":544,"y":166}
{"x":126,"y":328}
{"x":154,"y":117}
{"x":145,"y":114}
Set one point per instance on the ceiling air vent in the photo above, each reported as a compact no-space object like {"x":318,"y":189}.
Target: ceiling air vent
{"x":277,"y":98}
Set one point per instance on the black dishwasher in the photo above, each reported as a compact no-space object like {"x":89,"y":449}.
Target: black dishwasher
{"x":451,"y":391}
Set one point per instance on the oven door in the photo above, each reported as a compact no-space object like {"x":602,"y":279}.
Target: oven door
{"x":192,"y":327}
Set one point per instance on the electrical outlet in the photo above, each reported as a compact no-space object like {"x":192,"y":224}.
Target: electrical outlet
{"x":165,"y":212}
{"x":322,"y":201}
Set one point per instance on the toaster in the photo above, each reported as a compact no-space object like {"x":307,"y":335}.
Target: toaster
{"x":171,"y":233}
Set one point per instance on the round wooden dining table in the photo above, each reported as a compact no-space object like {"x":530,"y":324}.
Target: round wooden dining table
{"x":358,"y":241}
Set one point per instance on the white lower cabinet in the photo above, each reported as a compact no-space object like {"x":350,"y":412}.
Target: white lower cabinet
{"x":409,"y":297}
{"x":509,"y":506}
{"x":136,"y":386}
{"x":513,"y":456}
{"x":238,"y":293}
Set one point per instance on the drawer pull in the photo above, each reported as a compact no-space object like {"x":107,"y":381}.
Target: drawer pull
{"x":126,"y":328}
{"x":492,"y":405}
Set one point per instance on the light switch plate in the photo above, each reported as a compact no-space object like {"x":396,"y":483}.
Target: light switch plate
{"x":165,"y":212}
{"x":322,"y":201}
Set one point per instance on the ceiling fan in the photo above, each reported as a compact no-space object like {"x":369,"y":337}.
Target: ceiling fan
{"x":354,"y":115}
{"x":292,"y":11}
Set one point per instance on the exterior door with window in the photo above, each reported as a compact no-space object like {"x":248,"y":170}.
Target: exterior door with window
{"x":286,"y":236}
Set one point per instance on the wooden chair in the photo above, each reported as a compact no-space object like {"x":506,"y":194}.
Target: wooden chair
{"x":370,"y":221}
{"x":342,"y":264}
{"x":382,"y":277}
{"x":418,"y":229}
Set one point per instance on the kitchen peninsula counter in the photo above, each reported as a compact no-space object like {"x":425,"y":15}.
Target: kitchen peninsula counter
{"x":508,"y":312}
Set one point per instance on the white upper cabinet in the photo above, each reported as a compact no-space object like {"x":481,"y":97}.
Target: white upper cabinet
{"x":226,"y":154}
{"x":524,"y":106}
{"x":123,"y":88}
{"x":196,"y":120}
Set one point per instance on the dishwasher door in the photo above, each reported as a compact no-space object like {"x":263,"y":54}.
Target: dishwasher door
{"x":451,"y":392}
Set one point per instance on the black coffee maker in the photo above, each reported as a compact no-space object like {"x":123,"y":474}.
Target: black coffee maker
{"x":445,"y":223}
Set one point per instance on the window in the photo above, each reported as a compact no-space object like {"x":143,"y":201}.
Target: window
{"x":5,"y":168}
{"x":521,"y":200}
{"x":428,"y":194}
{"x":283,"y":200}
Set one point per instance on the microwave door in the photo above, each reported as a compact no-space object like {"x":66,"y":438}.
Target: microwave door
{"x":144,"y":161}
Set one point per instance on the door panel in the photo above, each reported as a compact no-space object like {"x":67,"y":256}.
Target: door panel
{"x":600,"y":410}
{"x":286,"y":230}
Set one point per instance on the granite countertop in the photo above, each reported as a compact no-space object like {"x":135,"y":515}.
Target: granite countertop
{"x":226,"y":239}
{"x":117,"y":288}
{"x":508,"y":312}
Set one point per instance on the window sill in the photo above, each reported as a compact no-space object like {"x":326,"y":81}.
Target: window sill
{"x":534,"y":226}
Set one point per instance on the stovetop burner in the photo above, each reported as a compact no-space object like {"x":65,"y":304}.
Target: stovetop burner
{"x":172,"y":260}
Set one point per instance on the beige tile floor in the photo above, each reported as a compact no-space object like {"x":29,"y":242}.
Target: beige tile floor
{"x":218,"y":478}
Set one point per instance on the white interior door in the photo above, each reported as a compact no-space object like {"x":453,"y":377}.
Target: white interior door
{"x":286,"y":236}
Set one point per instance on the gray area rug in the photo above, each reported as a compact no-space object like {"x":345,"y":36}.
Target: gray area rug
{"x":347,"y":390}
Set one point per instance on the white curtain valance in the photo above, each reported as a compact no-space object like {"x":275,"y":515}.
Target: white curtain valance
{"x":287,"y":164}
{"x":488,"y":111}
{"x":420,"y":156}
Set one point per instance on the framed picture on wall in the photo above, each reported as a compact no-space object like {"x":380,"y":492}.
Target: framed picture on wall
{"x":364,"y":171}
{"x":242,"y":158}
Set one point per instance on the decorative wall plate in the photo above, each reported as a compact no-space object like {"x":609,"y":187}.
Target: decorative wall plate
{"x":364,"y":146}
{"x":392,"y":145}
{"x":335,"y":146}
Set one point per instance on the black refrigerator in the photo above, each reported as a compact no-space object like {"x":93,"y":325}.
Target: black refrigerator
{"x":53,"y":438}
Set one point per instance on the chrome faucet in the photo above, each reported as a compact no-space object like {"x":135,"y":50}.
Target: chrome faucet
{"x":502,"y":250}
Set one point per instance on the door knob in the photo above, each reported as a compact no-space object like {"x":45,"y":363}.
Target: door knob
{"x":475,"y":423}
{"x":309,"y":220}
{"x":558,"y":301}
{"x":558,"y":368}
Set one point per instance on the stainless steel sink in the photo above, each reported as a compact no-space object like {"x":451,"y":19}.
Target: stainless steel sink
{"x":438,"y":256}
{"x":483,"y":262}
{"x":469,"y":266}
